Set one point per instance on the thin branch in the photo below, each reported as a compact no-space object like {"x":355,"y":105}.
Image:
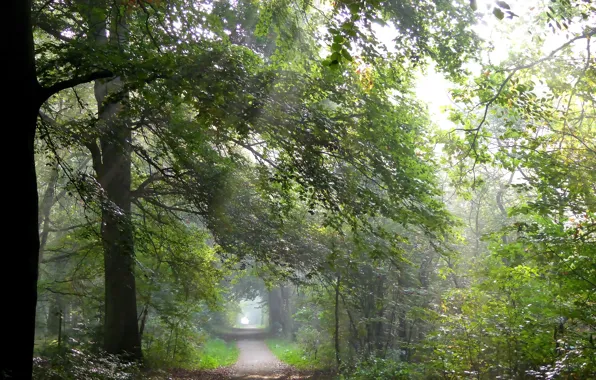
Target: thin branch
{"x":69,"y":293}
{"x":552,"y":53}
{"x":512,"y":72}
{"x":143,"y":186}
{"x":257,"y":155}
{"x":67,"y":228}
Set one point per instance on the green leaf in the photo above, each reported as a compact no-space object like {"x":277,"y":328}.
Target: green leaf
{"x":503,"y":4}
{"x":354,"y":7}
{"x":498,"y":13}
{"x":338,"y":39}
{"x":473,"y":5}
{"x":346,"y":55}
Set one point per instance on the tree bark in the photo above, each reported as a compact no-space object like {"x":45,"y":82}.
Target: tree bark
{"x":144,"y":316}
{"x":112,"y":164}
{"x":45,"y":210}
{"x":286,"y":311}
{"x":275,"y":310}
{"x":336,"y":332}
{"x":19,"y":263}
{"x":121,"y":334}
{"x":53,"y":321}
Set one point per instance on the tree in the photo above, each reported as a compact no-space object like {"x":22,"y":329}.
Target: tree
{"x":29,"y":95}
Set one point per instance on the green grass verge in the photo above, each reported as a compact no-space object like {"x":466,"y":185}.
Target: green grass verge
{"x":291,"y":353}
{"x":217,"y":353}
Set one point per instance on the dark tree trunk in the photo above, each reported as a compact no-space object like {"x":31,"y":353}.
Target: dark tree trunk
{"x":20,"y":262}
{"x":336,"y":332}
{"x":53,"y":321}
{"x":144,"y":316}
{"x":275,"y":310}
{"x":286,"y":311}
{"x":112,"y":164}
{"x":121,"y":329}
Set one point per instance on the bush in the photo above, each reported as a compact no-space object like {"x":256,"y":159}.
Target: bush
{"x":381,"y":369}
{"x":217,"y":353}
{"x":295,"y":355}
{"x":79,"y":365}
{"x":310,"y":340}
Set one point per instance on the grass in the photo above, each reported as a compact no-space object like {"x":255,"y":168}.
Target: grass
{"x":291,"y":353}
{"x":217,"y":353}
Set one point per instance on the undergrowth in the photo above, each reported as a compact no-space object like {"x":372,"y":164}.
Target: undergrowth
{"x":217,"y":353}
{"x":293,"y":354}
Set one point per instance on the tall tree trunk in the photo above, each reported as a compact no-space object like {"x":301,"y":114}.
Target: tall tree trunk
{"x":144,"y":316}
{"x":112,"y":164}
{"x":46,"y":207}
{"x":20,"y":263}
{"x":286,"y":311}
{"x":402,"y":321}
{"x":336,"y":332}
{"x":379,"y":325}
{"x":275,"y":310}
{"x":121,"y":334}
{"x":53,"y":321}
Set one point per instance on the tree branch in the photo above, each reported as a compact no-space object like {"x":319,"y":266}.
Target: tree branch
{"x":95,"y":156}
{"x":67,"y":228}
{"x":512,"y":72}
{"x":152,"y":178}
{"x":46,"y":92}
{"x":54,"y":33}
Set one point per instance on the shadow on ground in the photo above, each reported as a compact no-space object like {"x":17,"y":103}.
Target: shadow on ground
{"x":228,"y":374}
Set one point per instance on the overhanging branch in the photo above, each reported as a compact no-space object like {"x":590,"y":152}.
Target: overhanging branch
{"x":52,"y":32}
{"x":143,"y":186}
{"x":46,"y":92}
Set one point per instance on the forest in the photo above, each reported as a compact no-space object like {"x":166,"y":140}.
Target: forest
{"x":299,"y":189}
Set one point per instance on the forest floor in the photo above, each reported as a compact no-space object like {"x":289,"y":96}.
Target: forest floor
{"x":255,"y":362}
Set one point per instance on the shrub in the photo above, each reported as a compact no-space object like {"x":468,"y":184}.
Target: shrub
{"x":380,"y":369}
{"x":79,"y":365}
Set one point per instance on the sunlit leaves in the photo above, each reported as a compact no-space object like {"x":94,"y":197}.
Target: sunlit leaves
{"x":498,"y":13}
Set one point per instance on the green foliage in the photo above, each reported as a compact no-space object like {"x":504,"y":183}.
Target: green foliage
{"x":173,"y":343}
{"x":422,"y":29}
{"x":377,"y":368}
{"x":215,"y":353}
{"x":296,"y":355}
{"x":72,"y":364}
{"x":528,"y":312}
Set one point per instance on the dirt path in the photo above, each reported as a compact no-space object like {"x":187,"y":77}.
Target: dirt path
{"x":256,"y":361}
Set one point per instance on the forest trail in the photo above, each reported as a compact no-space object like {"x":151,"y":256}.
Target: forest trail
{"x":256,"y":361}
